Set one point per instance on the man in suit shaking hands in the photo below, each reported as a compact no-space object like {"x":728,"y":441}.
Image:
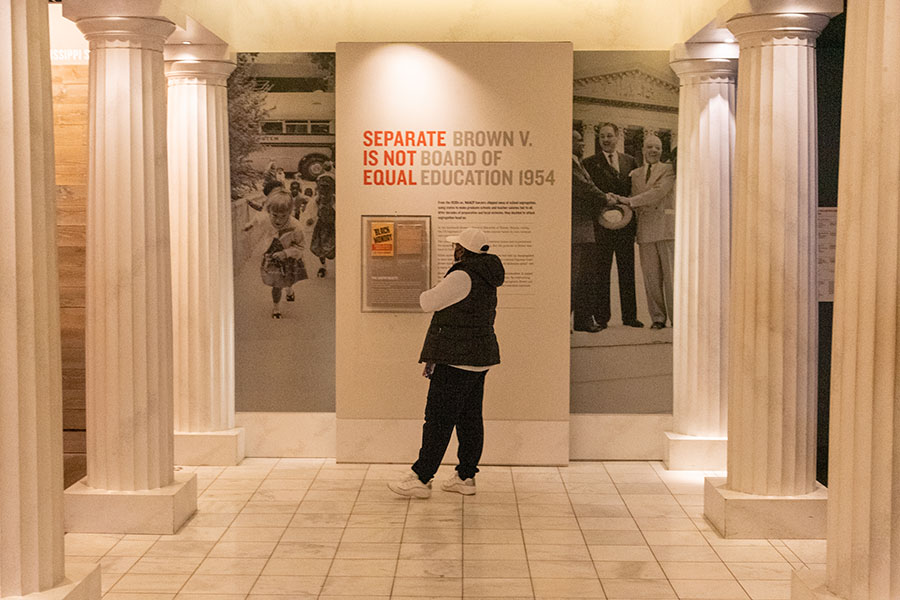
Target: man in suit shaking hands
{"x":609,"y":169}
{"x":653,"y":198}
{"x":587,"y":202}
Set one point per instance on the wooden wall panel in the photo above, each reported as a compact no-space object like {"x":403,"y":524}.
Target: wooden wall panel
{"x":70,"y":131}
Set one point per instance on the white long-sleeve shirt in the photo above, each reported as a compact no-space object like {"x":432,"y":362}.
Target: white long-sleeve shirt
{"x":452,"y":288}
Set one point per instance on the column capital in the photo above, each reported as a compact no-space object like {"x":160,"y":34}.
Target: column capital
{"x":210,"y":72}
{"x":126,"y":32}
{"x":792,"y":29}
{"x":771,"y":22}
{"x":698,"y":62}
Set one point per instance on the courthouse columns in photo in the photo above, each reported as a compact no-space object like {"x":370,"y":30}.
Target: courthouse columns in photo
{"x":31,"y":459}
{"x":130,"y":486}
{"x":863,"y":561}
{"x":771,"y":490}
{"x":706,"y":127}
{"x":197,"y":70}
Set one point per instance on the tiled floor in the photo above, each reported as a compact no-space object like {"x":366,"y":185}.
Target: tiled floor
{"x":298,"y":528}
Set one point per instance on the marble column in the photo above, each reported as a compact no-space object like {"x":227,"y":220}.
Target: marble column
{"x":202,"y":275}
{"x":31,"y":456}
{"x":771,"y":489}
{"x":707,"y":72}
{"x":130,"y":485}
{"x":864,"y":444}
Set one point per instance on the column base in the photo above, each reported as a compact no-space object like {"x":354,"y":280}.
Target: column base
{"x":210,"y":448}
{"x":748,"y":516}
{"x":695,"y":453}
{"x":159,"y":511}
{"x":809,"y":584}
{"x":82,"y":582}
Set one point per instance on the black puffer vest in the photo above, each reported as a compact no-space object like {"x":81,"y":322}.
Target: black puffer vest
{"x":463,"y":333}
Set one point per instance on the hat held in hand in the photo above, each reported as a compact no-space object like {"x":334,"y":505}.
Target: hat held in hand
{"x":615,"y":216}
{"x":473,"y":240}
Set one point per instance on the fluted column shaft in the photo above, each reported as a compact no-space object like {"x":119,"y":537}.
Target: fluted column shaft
{"x":128,"y":297}
{"x":773,"y":311}
{"x":706,"y":130}
{"x":31,"y":468}
{"x":864,"y":449}
{"x":200,"y":218}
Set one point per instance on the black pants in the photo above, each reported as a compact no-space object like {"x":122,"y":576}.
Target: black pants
{"x":585,"y":260}
{"x":454,"y":400}
{"x":619,"y":242}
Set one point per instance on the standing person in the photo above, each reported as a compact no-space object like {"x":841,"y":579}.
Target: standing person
{"x":299,"y":199}
{"x":323,"y":237}
{"x":587,"y":201}
{"x":459,"y":348}
{"x":609,"y":170}
{"x":653,"y":189}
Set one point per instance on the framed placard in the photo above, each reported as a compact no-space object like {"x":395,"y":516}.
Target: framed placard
{"x":396,"y":262}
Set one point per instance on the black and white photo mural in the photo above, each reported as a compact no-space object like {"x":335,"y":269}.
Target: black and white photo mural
{"x":281,"y":111}
{"x":625,"y":122}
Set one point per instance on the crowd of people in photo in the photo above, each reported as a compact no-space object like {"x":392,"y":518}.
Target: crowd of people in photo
{"x":293,"y":210}
{"x":616,"y":202}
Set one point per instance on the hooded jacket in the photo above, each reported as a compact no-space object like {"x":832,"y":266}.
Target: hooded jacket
{"x":463,"y":333}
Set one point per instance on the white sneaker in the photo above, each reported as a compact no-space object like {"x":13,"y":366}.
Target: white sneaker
{"x":411,"y":486}
{"x":466,"y":487}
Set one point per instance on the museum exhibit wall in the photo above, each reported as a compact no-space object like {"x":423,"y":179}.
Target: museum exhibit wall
{"x":485,"y":147}
{"x":285,"y":427}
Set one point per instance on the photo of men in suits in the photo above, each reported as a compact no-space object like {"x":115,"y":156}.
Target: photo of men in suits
{"x":610,"y":171}
{"x":653,"y":198}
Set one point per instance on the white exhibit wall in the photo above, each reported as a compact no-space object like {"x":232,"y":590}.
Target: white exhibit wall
{"x":472,"y":87}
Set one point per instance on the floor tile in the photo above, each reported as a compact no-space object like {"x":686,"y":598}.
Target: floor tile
{"x":365,"y":567}
{"x":429,"y":568}
{"x":628,"y":569}
{"x":620,"y":553}
{"x":495,"y":587}
{"x":358,"y":585}
{"x":558,"y":552}
{"x":422,"y":587}
{"x":219,"y":584}
{"x":367,"y":550}
{"x":276,"y":585}
{"x":712,"y":589}
{"x":89,"y":544}
{"x":184,"y":565}
{"x":243,"y":549}
{"x":495,"y":568}
{"x":298,"y":566}
{"x":637,"y":588}
{"x":373,"y":535}
{"x":414,"y":551}
{"x":231,"y":566}
{"x":748,"y":553}
{"x":305,"y":550}
{"x":494,"y":552}
{"x":554,"y":536}
{"x":696,"y":570}
{"x":567,"y":588}
{"x":493,"y":536}
{"x":547,"y":569}
{"x":146,"y":582}
{"x":767,"y":590}
{"x":760,"y":570}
